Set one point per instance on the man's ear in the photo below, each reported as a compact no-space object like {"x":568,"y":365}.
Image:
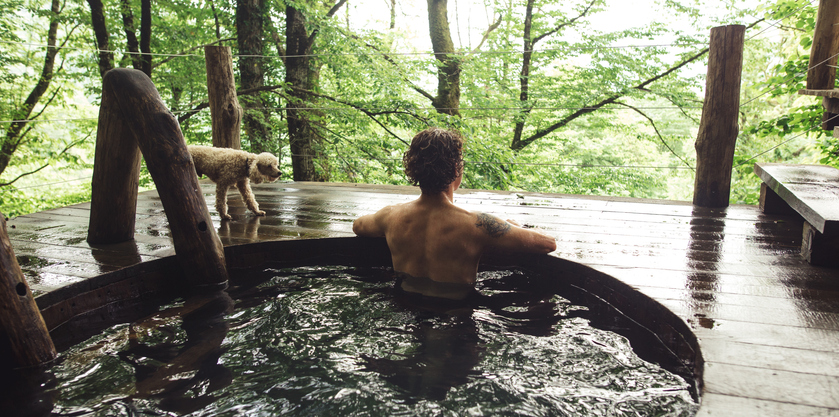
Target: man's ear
{"x":458,"y":180}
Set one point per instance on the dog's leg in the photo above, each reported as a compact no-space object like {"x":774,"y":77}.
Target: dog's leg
{"x":244,"y":187}
{"x":221,"y":201}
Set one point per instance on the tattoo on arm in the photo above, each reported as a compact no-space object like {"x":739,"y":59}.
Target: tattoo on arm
{"x":492,"y":226}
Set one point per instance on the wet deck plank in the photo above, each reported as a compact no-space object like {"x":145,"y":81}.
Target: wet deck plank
{"x":767,"y":321}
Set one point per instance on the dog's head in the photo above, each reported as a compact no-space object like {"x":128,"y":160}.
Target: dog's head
{"x":266,"y":168}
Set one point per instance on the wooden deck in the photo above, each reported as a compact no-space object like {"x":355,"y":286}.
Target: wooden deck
{"x":767,"y":321}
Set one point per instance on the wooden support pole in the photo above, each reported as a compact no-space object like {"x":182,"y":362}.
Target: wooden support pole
{"x":821,"y":76}
{"x":132,"y":98}
{"x":718,"y":127}
{"x":25,"y":340}
{"x":225,"y":111}
{"x":822,"y":72}
{"x":116,"y":176}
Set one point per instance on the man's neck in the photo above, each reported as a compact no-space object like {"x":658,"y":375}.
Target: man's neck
{"x":437,"y":198}
{"x":446,"y":196}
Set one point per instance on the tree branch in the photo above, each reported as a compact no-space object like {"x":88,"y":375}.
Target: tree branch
{"x":44,"y":108}
{"x":22,"y":136}
{"x":564,"y":24}
{"x":22,"y":113}
{"x":335,"y":8}
{"x":660,"y":137}
{"x":518,"y":145}
{"x":66,"y":148}
{"x":189,"y":113}
{"x":278,"y":43}
{"x":246,"y":92}
{"x":391,"y":61}
{"x":329,"y":15}
{"x":489,"y":30}
{"x":361,"y":109}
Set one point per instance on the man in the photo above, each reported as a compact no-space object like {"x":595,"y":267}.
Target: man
{"x":435,"y":245}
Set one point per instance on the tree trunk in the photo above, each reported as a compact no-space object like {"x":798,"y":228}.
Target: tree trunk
{"x":300,"y":132}
{"x":529,"y":43}
{"x":524,"y":78}
{"x":14,"y":133}
{"x":145,"y":36}
{"x":392,"y":15}
{"x":718,"y":127}
{"x":447,"y":100}
{"x":225,"y":111}
{"x":100,"y":29}
{"x":249,"y":24}
{"x":130,"y":36}
{"x":302,"y":75}
{"x":215,"y":19}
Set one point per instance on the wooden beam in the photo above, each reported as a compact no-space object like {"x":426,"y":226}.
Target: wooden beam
{"x":834,"y":93}
{"x":718,"y":127}
{"x":818,"y":248}
{"x":771,"y":203}
{"x":116,"y":176}
{"x":23,"y":335}
{"x":822,"y":72}
{"x":134,"y":100}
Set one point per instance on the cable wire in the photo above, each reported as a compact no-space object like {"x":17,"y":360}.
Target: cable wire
{"x":772,"y":24}
{"x":375,"y":109}
{"x":787,"y":141}
{"x":547,"y":164}
{"x":510,"y":52}
{"x":788,"y":80}
{"x":49,"y":184}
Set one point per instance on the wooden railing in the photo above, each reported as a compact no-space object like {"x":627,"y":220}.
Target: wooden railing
{"x":133,"y":119}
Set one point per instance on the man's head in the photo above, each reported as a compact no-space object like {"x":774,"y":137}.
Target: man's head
{"x":435,"y":159}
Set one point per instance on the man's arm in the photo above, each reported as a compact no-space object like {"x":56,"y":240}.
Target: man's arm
{"x":371,"y":225}
{"x":508,"y":236}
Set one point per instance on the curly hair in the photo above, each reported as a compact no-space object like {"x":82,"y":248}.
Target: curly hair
{"x":435,"y":159}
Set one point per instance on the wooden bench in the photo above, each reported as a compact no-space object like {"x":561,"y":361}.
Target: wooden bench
{"x":811,"y":191}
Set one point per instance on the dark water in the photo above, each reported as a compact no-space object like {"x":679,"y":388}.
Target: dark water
{"x":333,"y":341}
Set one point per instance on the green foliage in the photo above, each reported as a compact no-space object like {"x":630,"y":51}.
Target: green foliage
{"x":778,"y":125}
{"x":17,"y":202}
{"x":371,"y":94}
{"x":61,"y":137}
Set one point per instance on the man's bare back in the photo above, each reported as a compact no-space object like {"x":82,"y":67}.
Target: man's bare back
{"x":432,"y":238}
{"x":435,"y":245}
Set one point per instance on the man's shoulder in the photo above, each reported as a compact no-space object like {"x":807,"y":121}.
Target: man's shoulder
{"x":491,"y":225}
{"x":396,"y":208}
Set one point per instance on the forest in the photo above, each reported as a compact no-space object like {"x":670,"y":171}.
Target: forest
{"x":587,"y":97}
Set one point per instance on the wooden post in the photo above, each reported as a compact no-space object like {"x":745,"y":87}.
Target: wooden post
{"x":132,"y":99}
{"x":822,"y":72}
{"x":821,"y":76}
{"x":24,"y":334}
{"x":116,"y":176}
{"x":225,"y":111}
{"x":718,"y":127}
